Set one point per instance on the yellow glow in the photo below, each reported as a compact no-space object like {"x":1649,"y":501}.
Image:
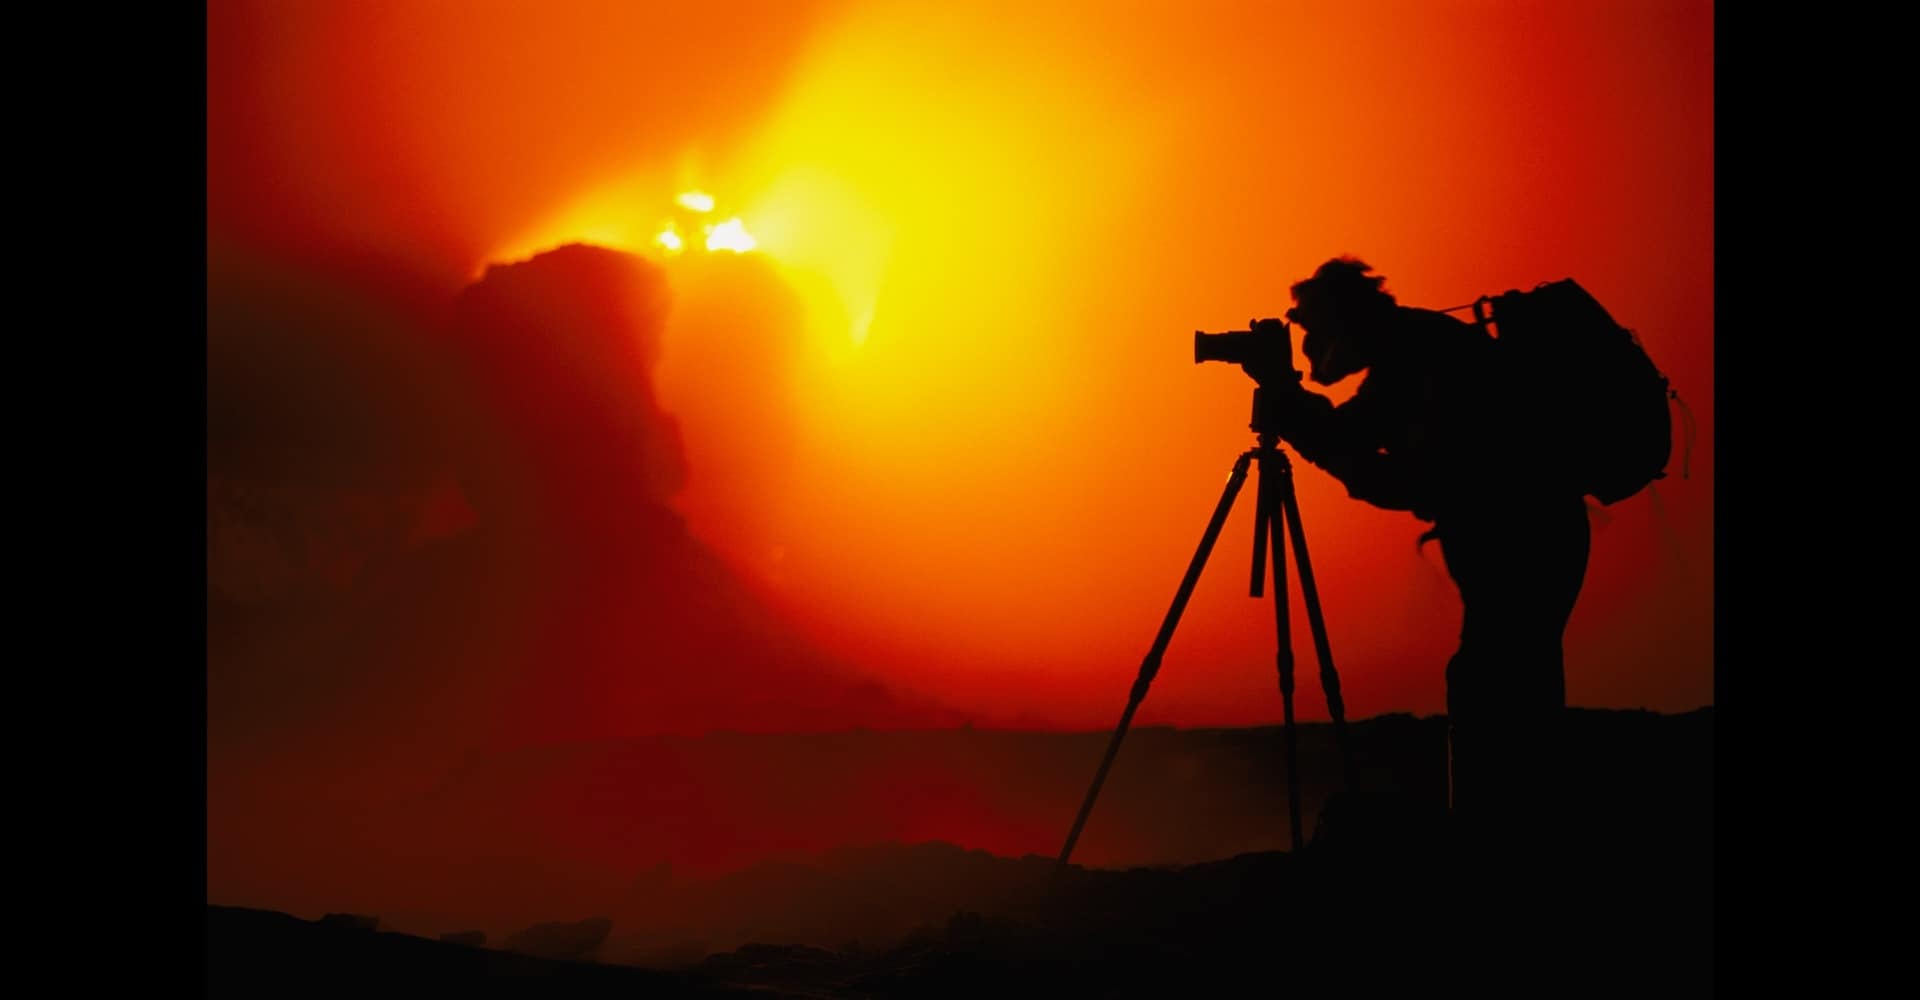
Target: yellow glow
{"x":992,"y":313}
{"x":730,"y":235}
{"x":834,"y":239}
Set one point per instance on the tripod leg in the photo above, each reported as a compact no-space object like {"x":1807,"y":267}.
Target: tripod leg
{"x":1329,"y":678}
{"x":1151,"y":665}
{"x":1262,"y":522}
{"x":1270,"y":510}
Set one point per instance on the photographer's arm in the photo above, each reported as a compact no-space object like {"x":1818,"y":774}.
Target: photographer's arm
{"x":1338,"y":440}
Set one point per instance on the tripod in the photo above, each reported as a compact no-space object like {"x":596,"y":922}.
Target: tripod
{"x":1275,"y":502}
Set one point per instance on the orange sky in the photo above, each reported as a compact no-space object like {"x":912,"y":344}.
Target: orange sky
{"x":974,"y":452}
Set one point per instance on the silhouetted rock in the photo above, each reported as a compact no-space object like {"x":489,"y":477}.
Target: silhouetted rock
{"x":1375,"y":822}
{"x":1363,"y":910}
{"x":1322,"y":921}
{"x":573,"y":941}
{"x":792,"y":967}
{"x":260,"y":953}
{"x":354,"y":921}
{"x":472,"y":939}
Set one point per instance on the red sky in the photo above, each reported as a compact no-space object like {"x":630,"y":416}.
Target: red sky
{"x":980,"y":465}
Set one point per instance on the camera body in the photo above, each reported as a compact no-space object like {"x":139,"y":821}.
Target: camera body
{"x":1264,"y":349}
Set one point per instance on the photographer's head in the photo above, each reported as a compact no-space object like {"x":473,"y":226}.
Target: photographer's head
{"x":1343,"y":309}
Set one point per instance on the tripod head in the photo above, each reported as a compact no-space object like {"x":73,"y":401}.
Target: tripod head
{"x":1266,"y":420}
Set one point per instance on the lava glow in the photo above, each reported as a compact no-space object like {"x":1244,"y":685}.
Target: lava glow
{"x":928,"y":278}
{"x":988,"y":258}
{"x":730,"y":235}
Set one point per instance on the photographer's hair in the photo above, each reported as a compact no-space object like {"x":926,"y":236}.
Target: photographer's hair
{"x":1346,"y":282}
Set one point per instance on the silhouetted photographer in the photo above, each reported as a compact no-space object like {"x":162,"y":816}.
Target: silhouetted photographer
{"x":1439,"y":428}
{"x":1495,"y":432}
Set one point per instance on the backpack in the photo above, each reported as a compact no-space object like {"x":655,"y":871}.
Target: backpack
{"x":1597,"y":400}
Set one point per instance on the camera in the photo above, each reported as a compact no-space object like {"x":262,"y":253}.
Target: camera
{"x":1266,"y":346}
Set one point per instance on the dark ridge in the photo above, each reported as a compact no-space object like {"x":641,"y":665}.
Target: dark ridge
{"x":260,"y":953}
